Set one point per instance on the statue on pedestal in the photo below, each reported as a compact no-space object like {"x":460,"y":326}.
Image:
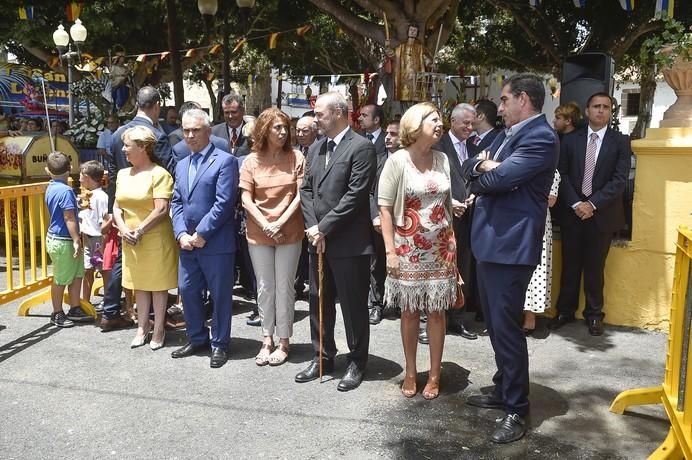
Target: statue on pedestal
{"x":408,"y":61}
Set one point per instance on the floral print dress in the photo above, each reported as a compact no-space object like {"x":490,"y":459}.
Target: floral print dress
{"x":425,"y":244}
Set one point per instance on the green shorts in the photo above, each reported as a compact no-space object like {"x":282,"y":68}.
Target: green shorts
{"x":65,"y":267}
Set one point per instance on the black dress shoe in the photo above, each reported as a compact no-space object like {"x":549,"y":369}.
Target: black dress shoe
{"x":485,"y":401}
{"x":457,"y":327}
{"x":189,"y":349}
{"x":312,"y":372}
{"x":218,"y":357}
{"x":375,"y":316}
{"x":595,"y":327}
{"x":510,"y":428}
{"x":423,"y":336}
{"x":559,"y":321}
{"x":254,"y":319}
{"x":352,"y":378}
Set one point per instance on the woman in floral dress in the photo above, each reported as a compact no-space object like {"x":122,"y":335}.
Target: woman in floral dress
{"x":416,"y":215}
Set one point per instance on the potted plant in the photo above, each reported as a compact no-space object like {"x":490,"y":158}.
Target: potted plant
{"x":674,"y":58}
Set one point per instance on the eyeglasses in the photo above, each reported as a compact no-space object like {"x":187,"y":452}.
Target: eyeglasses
{"x":193,"y":131}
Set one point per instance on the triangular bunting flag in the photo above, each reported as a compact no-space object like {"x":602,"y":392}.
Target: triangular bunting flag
{"x":627,"y":5}
{"x":239,"y":45}
{"x":665,"y":8}
{"x":215,"y":49}
{"x":303,"y":30}
{"x":273,"y":38}
{"x":26,"y":12}
{"x":164,"y":55}
{"x":73,"y":10}
{"x":535,"y":3}
{"x":190,"y":53}
{"x":579,"y":3}
{"x":141,"y":58}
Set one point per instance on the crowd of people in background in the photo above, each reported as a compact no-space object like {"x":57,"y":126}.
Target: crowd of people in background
{"x":403,"y":216}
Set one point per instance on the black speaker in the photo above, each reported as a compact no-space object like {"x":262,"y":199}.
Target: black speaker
{"x":585,"y":74}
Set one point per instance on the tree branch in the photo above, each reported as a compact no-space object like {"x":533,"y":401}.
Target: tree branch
{"x":620,"y":46}
{"x":350,"y":21}
{"x":545,"y":43}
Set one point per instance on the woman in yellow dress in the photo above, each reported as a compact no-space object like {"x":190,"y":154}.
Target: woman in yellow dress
{"x":150,"y":254}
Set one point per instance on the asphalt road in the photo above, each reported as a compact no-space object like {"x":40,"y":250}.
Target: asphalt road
{"x":80,"y":393}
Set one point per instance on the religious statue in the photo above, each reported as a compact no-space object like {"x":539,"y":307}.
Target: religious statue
{"x":119,"y":74}
{"x":408,"y":61}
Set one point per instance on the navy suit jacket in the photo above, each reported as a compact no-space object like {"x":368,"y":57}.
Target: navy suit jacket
{"x":483,"y":144}
{"x":181,"y":150}
{"x":207,"y":206}
{"x":608,"y":183}
{"x":337,"y":198}
{"x":162,"y":152}
{"x":512,"y":199}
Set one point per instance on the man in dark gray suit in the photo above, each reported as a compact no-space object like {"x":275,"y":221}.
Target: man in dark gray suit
{"x":335,"y":201}
{"x":232,"y":128}
{"x":454,"y":145}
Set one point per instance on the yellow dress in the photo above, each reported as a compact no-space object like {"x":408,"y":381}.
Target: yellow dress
{"x":151,"y":264}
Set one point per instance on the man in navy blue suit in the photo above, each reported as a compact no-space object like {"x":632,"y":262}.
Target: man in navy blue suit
{"x":511,"y":183}
{"x":203,"y":206}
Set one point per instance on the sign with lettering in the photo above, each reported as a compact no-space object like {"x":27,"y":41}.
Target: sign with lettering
{"x":21,"y":88}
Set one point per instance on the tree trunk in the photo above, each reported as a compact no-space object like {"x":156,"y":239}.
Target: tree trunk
{"x":647,"y":88}
{"x":178,"y":90}
{"x":212,"y":96}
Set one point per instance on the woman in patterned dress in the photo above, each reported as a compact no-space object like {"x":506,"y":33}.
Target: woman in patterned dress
{"x":416,"y":214}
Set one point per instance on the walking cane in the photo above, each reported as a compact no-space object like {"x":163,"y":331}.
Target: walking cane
{"x":320,"y":295}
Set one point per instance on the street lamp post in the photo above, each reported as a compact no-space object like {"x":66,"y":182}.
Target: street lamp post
{"x":62,"y":41}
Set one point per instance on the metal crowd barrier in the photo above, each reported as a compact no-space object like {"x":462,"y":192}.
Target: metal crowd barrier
{"x":674,"y":393}
{"x":23,"y":223}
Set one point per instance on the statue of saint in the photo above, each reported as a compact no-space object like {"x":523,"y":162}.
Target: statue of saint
{"x":119,"y":74}
{"x":408,"y":61}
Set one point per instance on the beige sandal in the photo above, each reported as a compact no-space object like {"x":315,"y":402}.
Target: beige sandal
{"x":262,"y":358}
{"x":279,"y":356}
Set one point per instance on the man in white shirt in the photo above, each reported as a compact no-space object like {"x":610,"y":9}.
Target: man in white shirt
{"x":594,"y":166}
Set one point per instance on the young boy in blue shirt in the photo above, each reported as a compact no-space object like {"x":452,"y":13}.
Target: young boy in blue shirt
{"x":63,"y":242}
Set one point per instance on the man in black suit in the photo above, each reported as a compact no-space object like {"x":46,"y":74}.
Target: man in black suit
{"x":378,"y":264}
{"x":335,"y":201}
{"x":484,"y":126}
{"x":232,"y":128}
{"x":454,"y":145}
{"x":371,"y":118}
{"x":148,"y":110}
{"x":594,"y":165}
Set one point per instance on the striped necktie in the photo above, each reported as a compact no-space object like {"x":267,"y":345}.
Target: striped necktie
{"x":589,"y":165}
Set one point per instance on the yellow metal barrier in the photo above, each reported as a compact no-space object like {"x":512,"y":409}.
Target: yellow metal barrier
{"x":24,"y":218}
{"x":677,"y":380}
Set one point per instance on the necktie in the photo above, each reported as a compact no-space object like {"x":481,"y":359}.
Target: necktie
{"x":305,"y":150}
{"x":192,"y":171}
{"x":476,"y":140}
{"x":234,"y":138}
{"x":589,"y":165}
{"x":461,"y":151}
{"x":370,"y":137}
{"x":331,"y":145}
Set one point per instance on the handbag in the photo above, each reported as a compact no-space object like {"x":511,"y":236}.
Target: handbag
{"x":460,"y":301}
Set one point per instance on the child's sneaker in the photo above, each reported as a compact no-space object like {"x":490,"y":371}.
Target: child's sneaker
{"x":59,"y":319}
{"x":76,"y":314}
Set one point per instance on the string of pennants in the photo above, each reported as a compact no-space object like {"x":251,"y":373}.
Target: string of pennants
{"x":72,"y":10}
{"x":664,"y":8}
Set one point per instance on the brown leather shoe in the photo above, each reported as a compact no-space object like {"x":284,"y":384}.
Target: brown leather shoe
{"x":113,"y":324}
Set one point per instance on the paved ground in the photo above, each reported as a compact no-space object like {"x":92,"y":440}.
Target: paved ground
{"x":79,"y":393}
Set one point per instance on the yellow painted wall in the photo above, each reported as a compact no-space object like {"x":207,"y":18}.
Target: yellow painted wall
{"x":639,"y":276}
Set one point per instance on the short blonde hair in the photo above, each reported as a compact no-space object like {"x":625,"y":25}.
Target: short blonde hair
{"x":143,"y":137}
{"x":411,"y":122}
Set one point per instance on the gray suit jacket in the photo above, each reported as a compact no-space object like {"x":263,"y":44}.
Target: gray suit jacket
{"x":241,"y":147}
